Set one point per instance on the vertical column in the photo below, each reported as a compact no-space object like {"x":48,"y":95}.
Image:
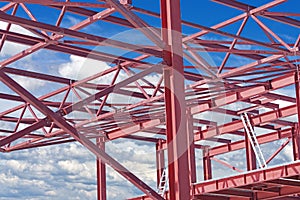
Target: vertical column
{"x":250,"y":155}
{"x":101,"y":172}
{"x":296,"y":143}
{"x":191,"y":147}
{"x":160,"y":160}
{"x":207,"y":170}
{"x":296,"y":130}
{"x":179,"y":184}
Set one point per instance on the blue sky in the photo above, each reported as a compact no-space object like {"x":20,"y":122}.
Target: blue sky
{"x":68,"y":171}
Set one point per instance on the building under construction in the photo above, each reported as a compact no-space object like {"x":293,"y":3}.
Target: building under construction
{"x":196,"y":80}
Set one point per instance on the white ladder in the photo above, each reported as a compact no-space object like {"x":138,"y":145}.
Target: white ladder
{"x":162,"y":187}
{"x":253,"y":140}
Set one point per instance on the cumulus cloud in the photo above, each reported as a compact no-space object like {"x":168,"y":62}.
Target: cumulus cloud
{"x":69,"y":172}
{"x":11,"y":48}
{"x":43,"y":173}
{"x":27,"y":83}
{"x":79,"y":67}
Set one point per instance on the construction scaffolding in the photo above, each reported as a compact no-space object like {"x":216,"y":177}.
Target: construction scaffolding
{"x":184,"y":86}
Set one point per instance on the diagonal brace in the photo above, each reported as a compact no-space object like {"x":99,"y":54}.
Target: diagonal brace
{"x":61,"y":122}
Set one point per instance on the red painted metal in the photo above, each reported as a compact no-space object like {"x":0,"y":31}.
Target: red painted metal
{"x":253,"y":177}
{"x":173,"y":105}
{"x":160,"y":160}
{"x":177,"y":136}
{"x":101,"y":172}
{"x":207,"y":168}
{"x":296,"y":131}
{"x":250,"y":155}
{"x":278,"y":151}
{"x":226,"y":164}
{"x":191,"y":148}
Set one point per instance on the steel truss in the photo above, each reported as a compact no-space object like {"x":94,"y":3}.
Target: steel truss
{"x":165,"y":112}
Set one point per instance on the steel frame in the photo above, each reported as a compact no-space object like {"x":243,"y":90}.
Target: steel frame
{"x":164,"y":113}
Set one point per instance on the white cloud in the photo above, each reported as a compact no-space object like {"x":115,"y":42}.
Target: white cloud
{"x":79,"y":67}
{"x":72,"y":20}
{"x":16,"y":165}
{"x":288,"y":152}
{"x":69,"y":172}
{"x":11,"y":48}
{"x":29,"y":83}
{"x":51,"y":193}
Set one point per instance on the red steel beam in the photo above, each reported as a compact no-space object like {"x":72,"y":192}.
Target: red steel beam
{"x":87,"y":13}
{"x":236,"y":192}
{"x":182,"y":171}
{"x":258,"y":43}
{"x":8,"y":26}
{"x":225,"y":59}
{"x":60,"y":3}
{"x":251,"y":56}
{"x":296,"y":132}
{"x":8,"y":6}
{"x":160,"y":161}
{"x":283,"y":192}
{"x":60,"y":121}
{"x":277,"y":151}
{"x":224,"y":187}
{"x":275,"y":84}
{"x":231,"y":97}
{"x":247,"y":93}
{"x":226,"y":164}
{"x":141,"y":25}
{"x":213,"y":29}
{"x":253,"y":177}
{"x":133,"y":128}
{"x":246,"y":7}
{"x":176,"y":128}
{"x":219,"y":197}
{"x":72,"y":33}
{"x":240,"y":144}
{"x":25,"y":131}
{"x":101,"y":172}
{"x":250,"y":155}
{"x":191,"y":148}
{"x":207,"y":167}
{"x":244,"y":68}
{"x":235,"y":19}
{"x":65,"y":48}
{"x":237,"y":125}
